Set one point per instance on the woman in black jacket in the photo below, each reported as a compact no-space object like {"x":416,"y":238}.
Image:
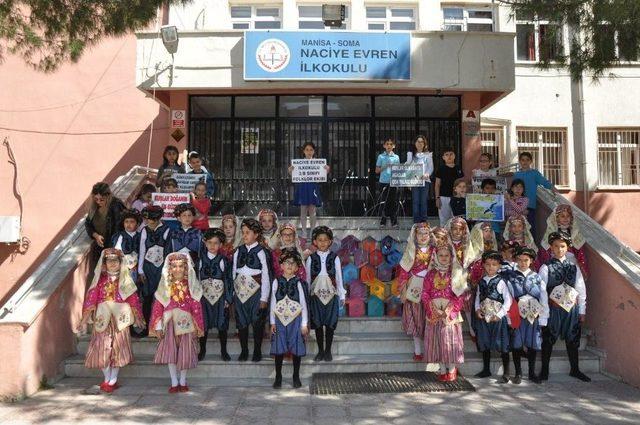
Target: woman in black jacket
{"x":103,"y":219}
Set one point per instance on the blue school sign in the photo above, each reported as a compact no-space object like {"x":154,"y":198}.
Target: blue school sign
{"x":326,"y":55}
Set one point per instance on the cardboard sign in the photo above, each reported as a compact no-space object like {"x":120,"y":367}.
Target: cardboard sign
{"x":187,"y":182}
{"x":484,"y":207}
{"x":309,"y":170}
{"x":177,"y":118}
{"x":501,"y":183}
{"x":249,"y":140}
{"x":168,"y":202}
{"x":407,"y":175}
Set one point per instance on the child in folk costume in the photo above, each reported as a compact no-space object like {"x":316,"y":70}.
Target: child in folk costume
{"x":112,"y":305}
{"x":327,"y":293}
{"x":288,"y":315}
{"x":562,"y":220}
{"x":269,"y":222}
{"x":214,"y":272}
{"x":528,"y":291}
{"x":231,"y":229}
{"x":413,"y":268}
{"x":459,"y":234}
{"x":128,"y":240}
{"x":508,"y":252}
{"x":177,"y":319}
{"x":185,"y":238}
{"x":493,"y":301}
{"x":202,"y":205}
{"x":442,"y":301}
{"x":286,"y":238}
{"x":251,"y":282}
{"x":440,"y":236}
{"x":517,"y":229}
{"x":563,"y":316}
{"x":482,"y":239}
{"x":154,"y":246}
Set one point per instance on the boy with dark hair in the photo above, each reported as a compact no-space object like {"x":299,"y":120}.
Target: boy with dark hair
{"x":532,"y":178}
{"x":195,"y":163}
{"x":446,"y":175}
{"x":387,"y":193}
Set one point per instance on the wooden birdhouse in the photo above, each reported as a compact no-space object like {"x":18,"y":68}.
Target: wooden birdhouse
{"x":360,"y":257}
{"x":367,"y":274}
{"x":369,"y":244}
{"x":375,"y":307}
{"x":385,"y":272}
{"x":394,"y":306}
{"x":395,"y":288}
{"x":345,"y":256}
{"x":349,"y":272}
{"x":376,"y":258}
{"x":377,"y":289}
{"x":355,"y":307}
{"x":350,"y":243}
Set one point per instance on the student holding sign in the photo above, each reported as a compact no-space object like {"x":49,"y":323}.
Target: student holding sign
{"x":420,"y":195}
{"x":387,"y":193}
{"x":307,"y":195}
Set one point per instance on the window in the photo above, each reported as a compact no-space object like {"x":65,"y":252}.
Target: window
{"x":492,"y":142}
{"x":256,"y":17}
{"x":462,"y":19}
{"x":538,"y":40}
{"x":310,"y":18}
{"x":391,"y":18}
{"x":612,"y":44}
{"x":548,"y":146}
{"x":618,"y":156}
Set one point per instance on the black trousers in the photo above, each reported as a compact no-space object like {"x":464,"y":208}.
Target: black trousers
{"x":389,"y":199}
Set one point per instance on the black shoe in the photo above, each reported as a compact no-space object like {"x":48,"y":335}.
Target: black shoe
{"x":516,"y":379}
{"x":484,"y":373}
{"x":394,"y":224}
{"x":297,"y":383}
{"x":257,"y":356}
{"x":319,"y":356}
{"x":504,"y":379}
{"x":383,"y":222}
{"x":278,"y":382}
{"x":225,"y":356}
{"x":581,"y":376}
{"x":328,"y":357}
{"x":544,"y":376}
{"x":244,"y":356}
{"x":201,"y":355}
{"x":534,"y":378}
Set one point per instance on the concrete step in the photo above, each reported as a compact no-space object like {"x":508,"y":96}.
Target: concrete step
{"x":216,"y":368}
{"x":343,"y":344}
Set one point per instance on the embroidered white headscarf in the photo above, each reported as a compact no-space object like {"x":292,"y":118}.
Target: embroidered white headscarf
{"x":126,"y":285}
{"x":163,"y":293}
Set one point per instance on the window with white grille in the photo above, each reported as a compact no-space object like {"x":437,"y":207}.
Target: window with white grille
{"x":391,"y":18}
{"x":467,"y":19}
{"x":618,"y":156}
{"x":492,"y":142}
{"x":548,"y":146}
{"x":310,"y":18}
{"x":538,"y":39}
{"x":256,"y":17}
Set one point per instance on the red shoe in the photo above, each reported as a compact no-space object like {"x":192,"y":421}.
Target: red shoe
{"x":183,"y":388}
{"x":105,"y":387}
{"x":453,"y":375}
{"x":444,"y":377}
{"x":173,"y":390}
{"x":418,"y":358}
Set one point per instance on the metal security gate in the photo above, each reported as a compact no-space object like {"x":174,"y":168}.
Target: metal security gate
{"x":248,"y":179}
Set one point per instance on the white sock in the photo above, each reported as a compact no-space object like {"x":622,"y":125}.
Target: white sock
{"x":312,"y":216}
{"x":107,"y":374}
{"x":114,"y":375}
{"x":183,"y":377}
{"x":417,"y":345}
{"x":451,"y":367}
{"x":303,"y":219}
{"x":441,"y":368}
{"x":467,"y":314}
{"x":174,"y":374}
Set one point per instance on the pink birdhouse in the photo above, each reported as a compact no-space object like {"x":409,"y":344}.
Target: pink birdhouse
{"x":376,"y":258}
{"x":355,"y":307}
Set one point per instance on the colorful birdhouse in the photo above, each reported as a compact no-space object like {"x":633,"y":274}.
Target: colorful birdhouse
{"x":385,"y":272}
{"x":355,"y":307}
{"x":375,"y":307}
{"x":377,"y":289}
{"x":350,"y":243}
{"x":357,"y":289}
{"x":369,"y":244}
{"x":345,"y":256}
{"x":393,"y":257}
{"x":360,"y":257}
{"x":376,"y":258}
{"x":395,"y":288}
{"x":335,"y":246}
{"x":349,"y":272}
{"x":386,"y":244}
{"x":367,"y":274}
{"x":394,"y":307}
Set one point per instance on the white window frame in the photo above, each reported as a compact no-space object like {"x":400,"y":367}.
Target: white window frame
{"x":466,"y":20}
{"x":540,"y":149}
{"x":346,"y":22}
{"x":492,"y":141}
{"x":536,"y":37}
{"x":616,"y":47}
{"x":251,"y":21}
{"x":617,"y":134}
{"x":388,"y":19}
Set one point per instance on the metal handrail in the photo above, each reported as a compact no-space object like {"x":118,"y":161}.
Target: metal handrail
{"x":37,"y":288}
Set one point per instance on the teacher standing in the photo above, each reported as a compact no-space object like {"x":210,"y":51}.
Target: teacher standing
{"x":420,"y":195}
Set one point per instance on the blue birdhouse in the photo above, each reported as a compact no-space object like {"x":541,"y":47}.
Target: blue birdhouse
{"x":393,"y":258}
{"x":386,"y":244}
{"x":375,"y":307}
{"x":385,"y":272}
{"x":349,"y":272}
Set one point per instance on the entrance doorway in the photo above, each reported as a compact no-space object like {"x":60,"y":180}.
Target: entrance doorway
{"x":347,"y":130}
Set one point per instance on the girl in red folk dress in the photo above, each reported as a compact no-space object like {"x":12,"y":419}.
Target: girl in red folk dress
{"x":442,"y":302}
{"x":112,"y":305}
{"x":459,"y":233}
{"x":413,"y":268}
{"x":177,"y":320}
{"x":229,"y":226}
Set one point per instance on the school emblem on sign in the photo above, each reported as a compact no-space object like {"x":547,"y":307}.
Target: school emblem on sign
{"x":273,"y":55}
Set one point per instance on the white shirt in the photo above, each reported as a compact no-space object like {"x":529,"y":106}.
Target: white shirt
{"x":579,"y":286}
{"x":118,"y":244}
{"x":303,"y":304}
{"x":502,"y":290}
{"x":544,"y":297}
{"x":143,"y":247}
{"x":211,"y":256}
{"x":323,"y":271}
{"x":424,"y":158}
{"x":248,"y":271}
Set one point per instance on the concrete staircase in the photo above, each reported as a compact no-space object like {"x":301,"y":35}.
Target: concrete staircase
{"x":360,"y":345}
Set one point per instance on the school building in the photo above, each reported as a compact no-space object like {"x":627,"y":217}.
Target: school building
{"x":463,"y":73}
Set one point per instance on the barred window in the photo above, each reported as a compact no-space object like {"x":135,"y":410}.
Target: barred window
{"x":492,"y":142}
{"x":618,"y":156}
{"x":548,"y":146}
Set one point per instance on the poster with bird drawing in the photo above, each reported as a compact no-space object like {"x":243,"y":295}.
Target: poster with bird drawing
{"x":485,"y":207}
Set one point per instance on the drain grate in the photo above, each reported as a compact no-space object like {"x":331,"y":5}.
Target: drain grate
{"x":384,"y":382}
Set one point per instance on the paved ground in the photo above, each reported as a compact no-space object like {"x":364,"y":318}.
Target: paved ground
{"x":563,"y":401}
